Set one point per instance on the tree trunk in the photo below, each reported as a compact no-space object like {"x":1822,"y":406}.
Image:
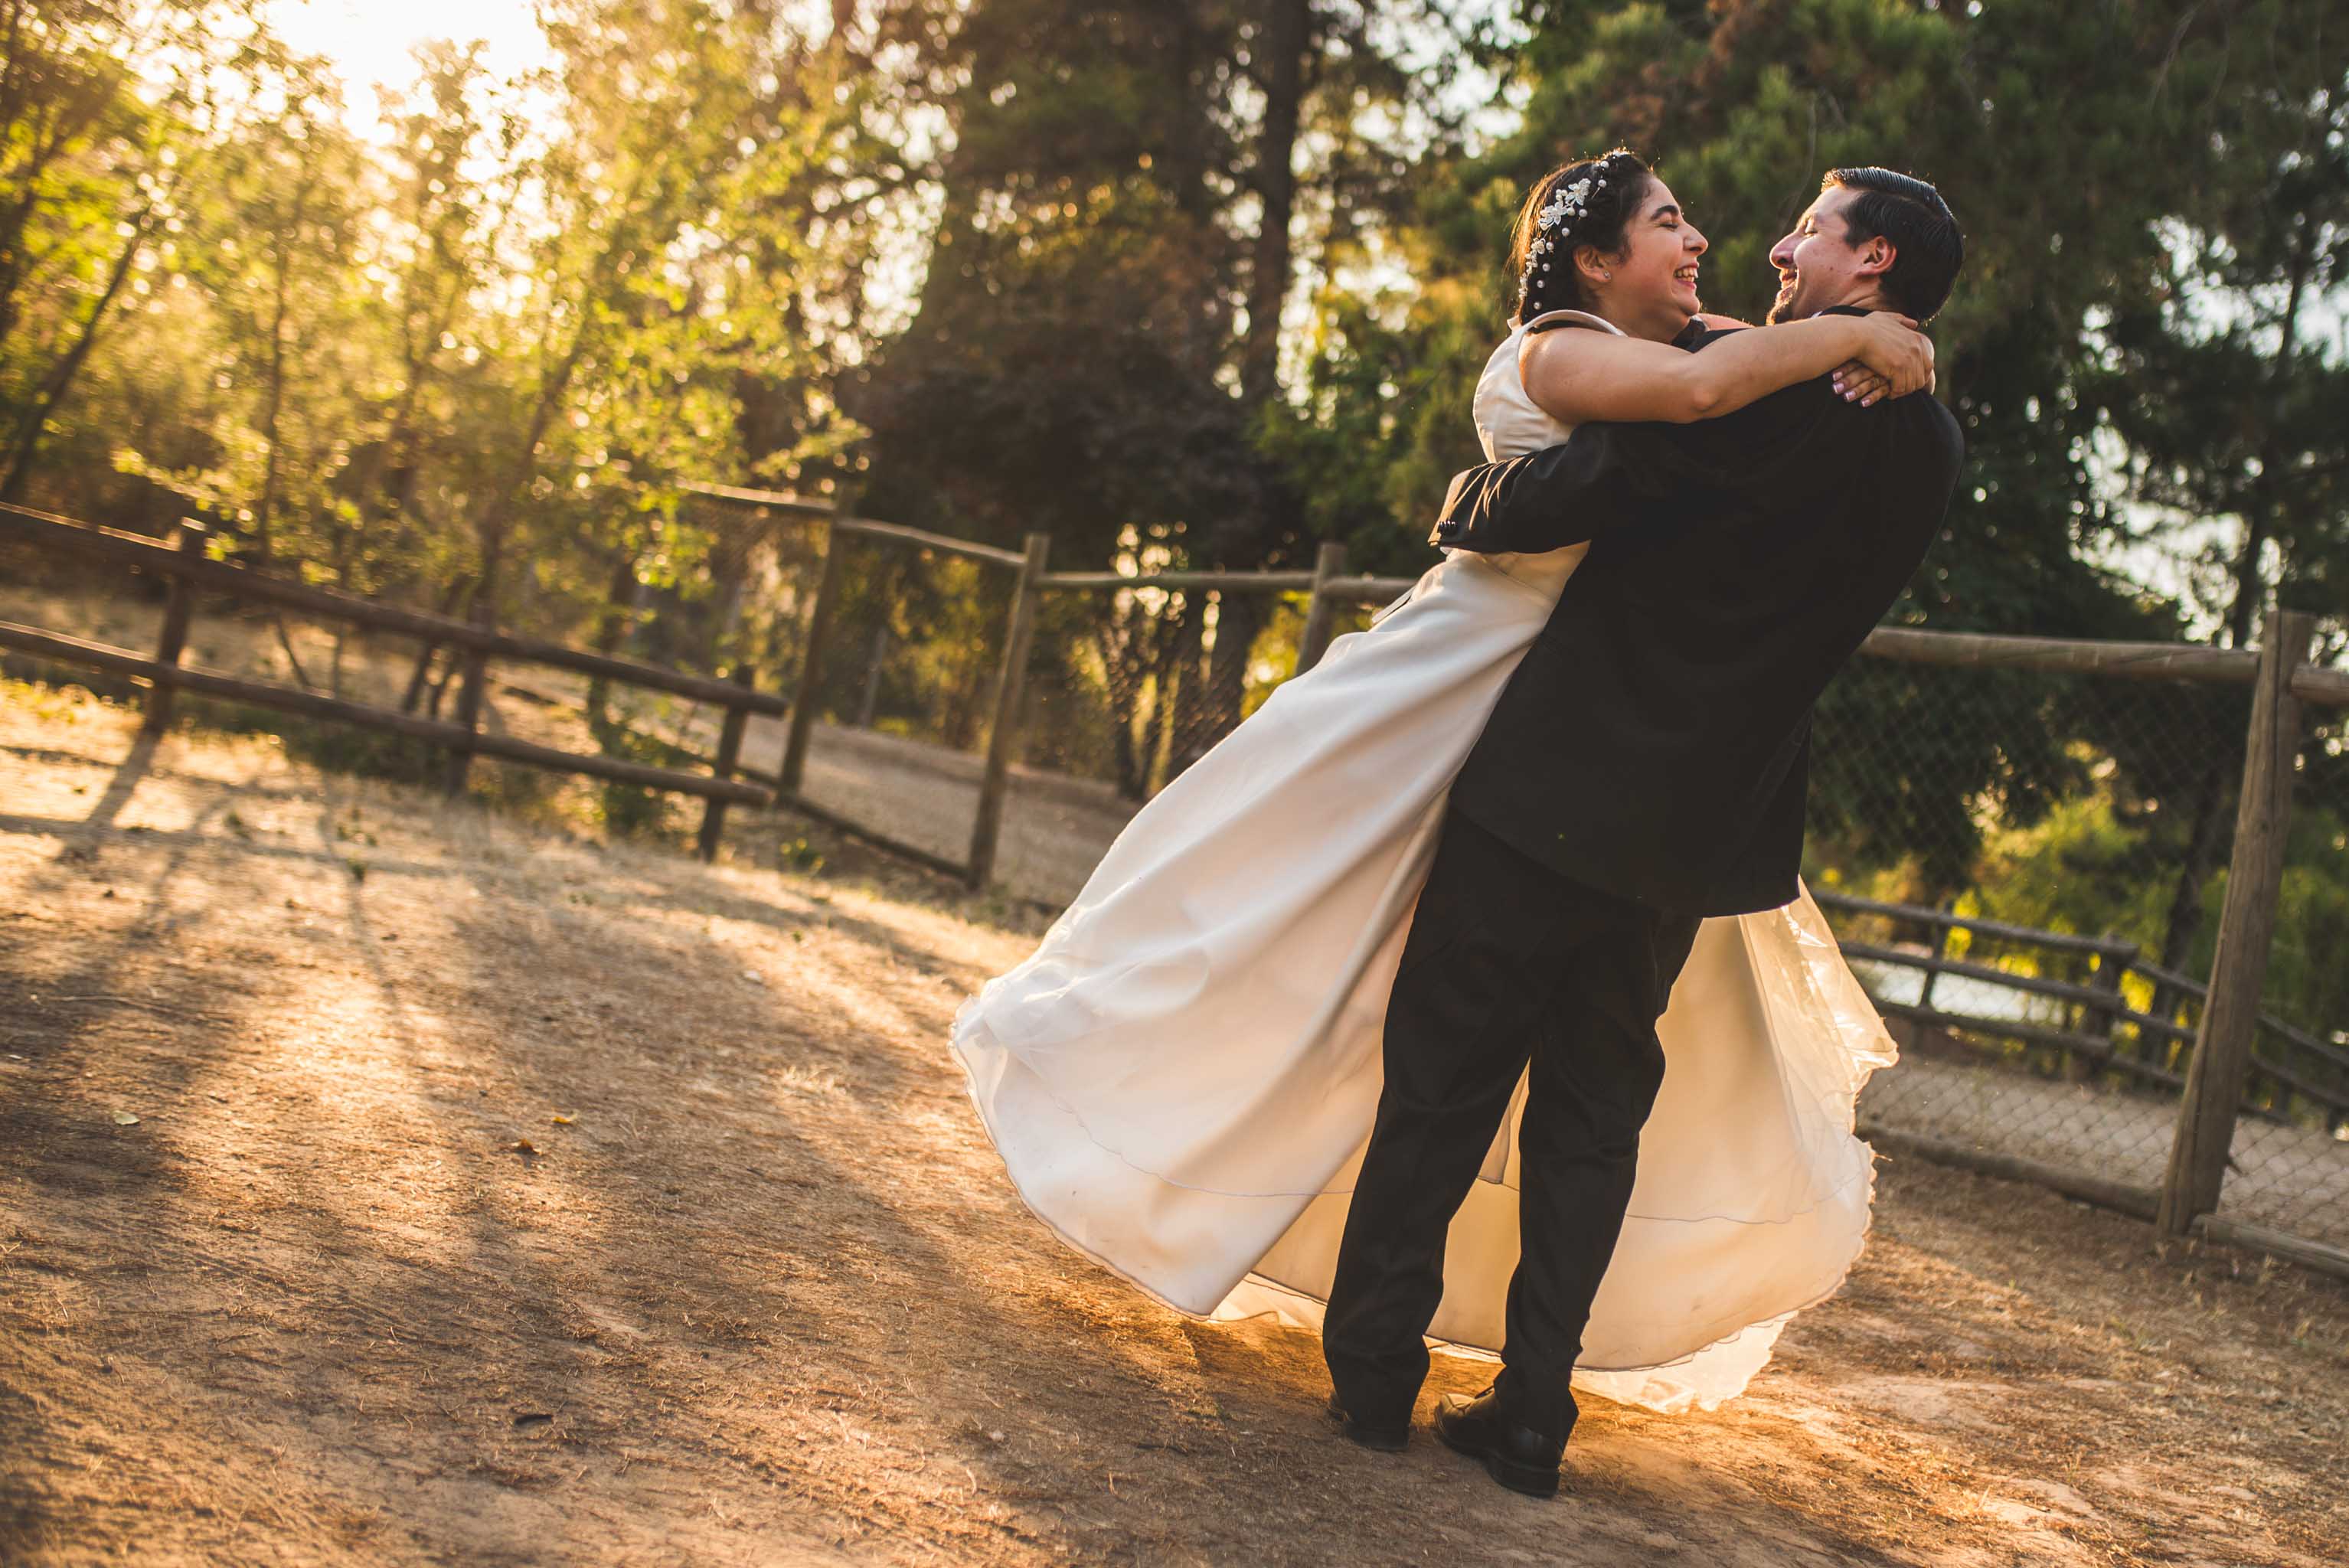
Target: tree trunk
{"x":264,"y":510}
{"x":1238,"y":618}
{"x":2207,"y":838}
{"x":1186,"y":688}
{"x":611,"y":627}
{"x":29,"y":71}
{"x":450,"y":597}
{"x":1131,"y":644}
{"x":349,"y":546}
{"x":60,"y":378}
{"x":1282,"y":41}
{"x":879,"y":651}
{"x":552,"y":388}
{"x":293,"y":659}
{"x":1166,"y":671}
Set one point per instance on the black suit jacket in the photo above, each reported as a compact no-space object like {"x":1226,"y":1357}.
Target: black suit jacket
{"x":1655,"y":742}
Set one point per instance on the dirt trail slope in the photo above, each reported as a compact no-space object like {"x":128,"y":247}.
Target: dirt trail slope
{"x":497,"y":1198}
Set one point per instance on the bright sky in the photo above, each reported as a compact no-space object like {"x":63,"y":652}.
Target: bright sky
{"x":369,"y":40}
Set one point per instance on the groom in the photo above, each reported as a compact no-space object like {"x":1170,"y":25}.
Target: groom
{"x":1644,"y":769}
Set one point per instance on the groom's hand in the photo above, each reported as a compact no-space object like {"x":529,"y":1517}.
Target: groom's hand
{"x":1541,"y":501}
{"x":1470,"y":492}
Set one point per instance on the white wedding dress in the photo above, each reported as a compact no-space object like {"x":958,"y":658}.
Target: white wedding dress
{"x":1182,"y":1077}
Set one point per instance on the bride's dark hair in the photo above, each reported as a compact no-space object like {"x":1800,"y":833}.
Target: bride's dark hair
{"x":1545,"y":280}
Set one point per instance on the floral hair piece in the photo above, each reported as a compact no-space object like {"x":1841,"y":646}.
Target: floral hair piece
{"x":1554,"y":224}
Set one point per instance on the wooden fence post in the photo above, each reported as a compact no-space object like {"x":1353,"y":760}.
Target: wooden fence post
{"x":469,"y":703}
{"x":1003,"y":737}
{"x":1941,"y":929}
{"x":819,"y":634}
{"x":1322,"y":611}
{"x":2100,"y":1020}
{"x":729,"y":752}
{"x":2231,"y":1015}
{"x":177,"y":609}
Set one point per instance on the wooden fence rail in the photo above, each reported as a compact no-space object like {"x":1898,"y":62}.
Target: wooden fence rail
{"x":364,"y":716}
{"x":2140,"y":661}
{"x":2098,"y":1047}
{"x":188,"y":569}
{"x":2225,"y":1059}
{"x":140,"y":553}
{"x":1326,"y":587}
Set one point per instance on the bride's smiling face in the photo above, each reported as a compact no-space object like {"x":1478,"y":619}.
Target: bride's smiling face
{"x":1649,"y":287}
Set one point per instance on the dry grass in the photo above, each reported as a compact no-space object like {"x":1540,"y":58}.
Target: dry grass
{"x":499,"y":1197}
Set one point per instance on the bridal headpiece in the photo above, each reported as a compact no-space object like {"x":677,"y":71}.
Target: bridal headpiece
{"x":1554,"y":225}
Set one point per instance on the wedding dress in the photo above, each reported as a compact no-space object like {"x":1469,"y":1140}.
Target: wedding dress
{"x":1182,"y":1077}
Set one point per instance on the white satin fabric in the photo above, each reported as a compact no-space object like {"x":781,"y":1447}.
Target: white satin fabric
{"x":1182,"y":1077}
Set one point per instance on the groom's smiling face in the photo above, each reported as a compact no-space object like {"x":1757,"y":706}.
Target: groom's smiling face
{"x":1818,"y":266}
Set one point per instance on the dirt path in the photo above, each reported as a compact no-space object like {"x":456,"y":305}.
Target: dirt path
{"x":497,"y":1198}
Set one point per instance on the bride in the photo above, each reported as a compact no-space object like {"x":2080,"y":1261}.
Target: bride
{"x":1182,"y":1078}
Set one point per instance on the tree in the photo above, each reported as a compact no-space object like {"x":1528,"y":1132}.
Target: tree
{"x":2069,"y":139}
{"x":2250,"y":267}
{"x":108,"y":111}
{"x":1129,"y":202}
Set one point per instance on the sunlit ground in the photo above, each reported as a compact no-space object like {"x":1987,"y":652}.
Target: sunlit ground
{"x":386,"y":1182}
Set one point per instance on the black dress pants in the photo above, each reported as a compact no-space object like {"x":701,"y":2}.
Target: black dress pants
{"x":1507,"y":965}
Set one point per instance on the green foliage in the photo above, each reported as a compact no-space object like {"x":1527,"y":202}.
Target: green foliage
{"x":344,"y":748}
{"x":480,"y":347}
{"x":628,"y":810}
{"x":1004,"y":265}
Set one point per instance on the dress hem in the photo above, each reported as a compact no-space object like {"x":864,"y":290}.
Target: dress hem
{"x":956,"y":1042}
{"x":1466,"y":1350}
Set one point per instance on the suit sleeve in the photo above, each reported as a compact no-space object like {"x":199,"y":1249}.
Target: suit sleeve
{"x":1606,"y":477}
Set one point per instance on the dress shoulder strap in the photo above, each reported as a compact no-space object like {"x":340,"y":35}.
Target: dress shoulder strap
{"x":1573,"y":318}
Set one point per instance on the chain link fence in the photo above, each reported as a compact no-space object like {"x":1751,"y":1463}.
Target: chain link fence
{"x":1995,"y":817}
{"x":1127,"y":688}
{"x":2024,"y":853}
{"x":2288,"y":1166}
{"x":905,"y":699}
{"x":2031,"y":866}
{"x":2040,"y":861}
{"x":892,"y":648}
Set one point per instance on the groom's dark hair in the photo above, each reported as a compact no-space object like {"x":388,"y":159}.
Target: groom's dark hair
{"x":1926,"y":248}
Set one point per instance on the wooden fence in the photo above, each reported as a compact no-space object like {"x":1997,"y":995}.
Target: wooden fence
{"x":2209,"y":1065}
{"x":2216,"y":1070}
{"x":188,"y":570}
{"x":2291,"y":1072}
{"x":2100,"y":1031}
{"x":1327,"y":587}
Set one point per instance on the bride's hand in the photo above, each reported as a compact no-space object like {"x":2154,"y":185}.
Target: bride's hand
{"x":1858,"y":384}
{"x":1894,"y":360}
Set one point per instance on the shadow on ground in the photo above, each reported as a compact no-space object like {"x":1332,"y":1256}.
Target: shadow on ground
{"x":497,"y":1197}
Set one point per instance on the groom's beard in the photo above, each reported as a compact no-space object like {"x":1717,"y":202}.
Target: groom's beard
{"x":1794,"y":303}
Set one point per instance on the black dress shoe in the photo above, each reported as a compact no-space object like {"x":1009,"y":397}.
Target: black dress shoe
{"x":1516,"y":1455}
{"x":1387,"y":1436}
